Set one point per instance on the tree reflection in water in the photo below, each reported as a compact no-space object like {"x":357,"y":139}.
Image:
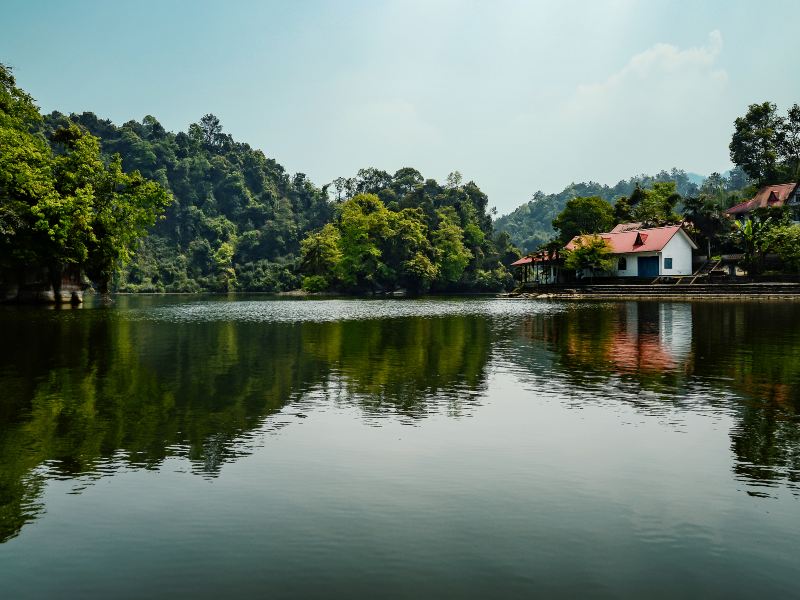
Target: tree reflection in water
{"x":86,"y":395}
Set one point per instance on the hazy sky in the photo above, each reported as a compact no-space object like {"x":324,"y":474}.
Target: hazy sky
{"x":518,"y":96}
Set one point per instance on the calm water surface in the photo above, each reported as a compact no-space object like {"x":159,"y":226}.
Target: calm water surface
{"x":212,"y":447}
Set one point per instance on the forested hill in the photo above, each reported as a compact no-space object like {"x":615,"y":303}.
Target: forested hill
{"x":237,"y":219}
{"x":530,"y":225}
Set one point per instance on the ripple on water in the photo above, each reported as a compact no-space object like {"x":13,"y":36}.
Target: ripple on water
{"x":282,"y":311}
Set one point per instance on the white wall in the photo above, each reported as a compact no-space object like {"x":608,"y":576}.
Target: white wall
{"x":680,"y":251}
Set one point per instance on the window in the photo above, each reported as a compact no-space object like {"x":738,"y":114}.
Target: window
{"x":667,"y":263}
{"x":622,"y":264}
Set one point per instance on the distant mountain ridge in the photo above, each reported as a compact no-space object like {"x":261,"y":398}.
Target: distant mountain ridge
{"x":530,"y":225}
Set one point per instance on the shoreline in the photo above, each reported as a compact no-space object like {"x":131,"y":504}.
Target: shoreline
{"x":656,"y":297}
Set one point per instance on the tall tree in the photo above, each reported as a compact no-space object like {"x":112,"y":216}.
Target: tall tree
{"x":584,"y":215}
{"x":754,"y":145}
{"x":658,"y":205}
{"x":789,"y":142}
{"x":68,"y":206}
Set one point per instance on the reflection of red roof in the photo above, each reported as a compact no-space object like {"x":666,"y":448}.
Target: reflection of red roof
{"x":642,"y":353}
{"x":642,"y":240}
{"x":767,"y":197}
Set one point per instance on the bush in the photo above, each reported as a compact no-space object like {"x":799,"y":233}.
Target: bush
{"x":315,"y":283}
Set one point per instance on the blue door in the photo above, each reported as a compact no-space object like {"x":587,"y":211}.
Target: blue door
{"x":648,"y":266}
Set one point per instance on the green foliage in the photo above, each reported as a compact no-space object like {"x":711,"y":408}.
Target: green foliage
{"x":657,"y":205}
{"x":315,"y":283}
{"x":584,"y":215}
{"x":754,"y":239}
{"x":423,"y":237}
{"x":237,"y":219}
{"x":592,"y":253}
{"x":448,"y":240}
{"x":320,"y":251}
{"x":363,"y":223}
{"x":784,"y":240}
{"x":60,"y":202}
{"x":706,"y":216}
{"x":766,"y":145}
{"x":234,"y":219}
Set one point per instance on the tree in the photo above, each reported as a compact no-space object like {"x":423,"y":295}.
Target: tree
{"x":453,"y":180}
{"x":448,"y":242}
{"x":584,"y":215}
{"x":590,"y":252}
{"x":754,"y":239}
{"x":658,"y":205}
{"x":784,"y":240}
{"x":422,"y":236}
{"x":408,"y":251}
{"x":363,"y":224}
{"x":64,"y":205}
{"x":754,"y":145}
{"x":622,"y":210}
{"x":789,"y":142}
{"x":320,"y":253}
{"x":118,"y":207}
{"x":707,"y":216}
{"x":211,"y":129}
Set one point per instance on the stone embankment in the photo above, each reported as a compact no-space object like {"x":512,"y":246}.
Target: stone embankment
{"x":729,"y":291}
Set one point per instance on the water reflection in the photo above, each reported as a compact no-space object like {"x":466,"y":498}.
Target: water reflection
{"x":86,"y":393}
{"x":738,"y":359}
{"x":85,"y":397}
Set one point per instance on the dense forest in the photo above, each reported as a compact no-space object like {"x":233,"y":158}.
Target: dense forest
{"x":404,"y":232}
{"x":531,"y":224}
{"x":237,"y":217}
{"x":139,"y":208}
{"x":238,"y":220}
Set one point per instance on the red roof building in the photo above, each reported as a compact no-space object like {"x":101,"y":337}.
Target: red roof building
{"x":650,"y":252}
{"x":770,"y":196}
{"x":653,"y":239}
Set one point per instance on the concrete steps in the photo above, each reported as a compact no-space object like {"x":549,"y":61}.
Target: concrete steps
{"x":676,"y":289}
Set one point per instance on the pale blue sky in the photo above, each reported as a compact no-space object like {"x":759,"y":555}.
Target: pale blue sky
{"x":518,"y":96}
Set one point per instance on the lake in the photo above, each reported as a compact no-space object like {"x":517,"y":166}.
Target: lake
{"x":205,"y":447}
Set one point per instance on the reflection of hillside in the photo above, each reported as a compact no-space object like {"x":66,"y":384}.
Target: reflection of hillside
{"x":86,"y":393}
{"x":407,"y":366}
{"x":755,"y":347}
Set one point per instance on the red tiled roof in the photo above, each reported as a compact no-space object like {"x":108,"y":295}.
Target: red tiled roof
{"x":525,"y":260}
{"x":641,"y":240}
{"x":768,"y":196}
{"x":540,"y":257}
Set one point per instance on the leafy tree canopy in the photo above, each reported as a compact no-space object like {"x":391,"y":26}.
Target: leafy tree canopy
{"x":584,"y":215}
{"x":592,"y":253}
{"x":61,"y":201}
{"x":766,"y":145}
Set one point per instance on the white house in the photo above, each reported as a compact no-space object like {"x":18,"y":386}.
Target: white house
{"x":648,"y":252}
